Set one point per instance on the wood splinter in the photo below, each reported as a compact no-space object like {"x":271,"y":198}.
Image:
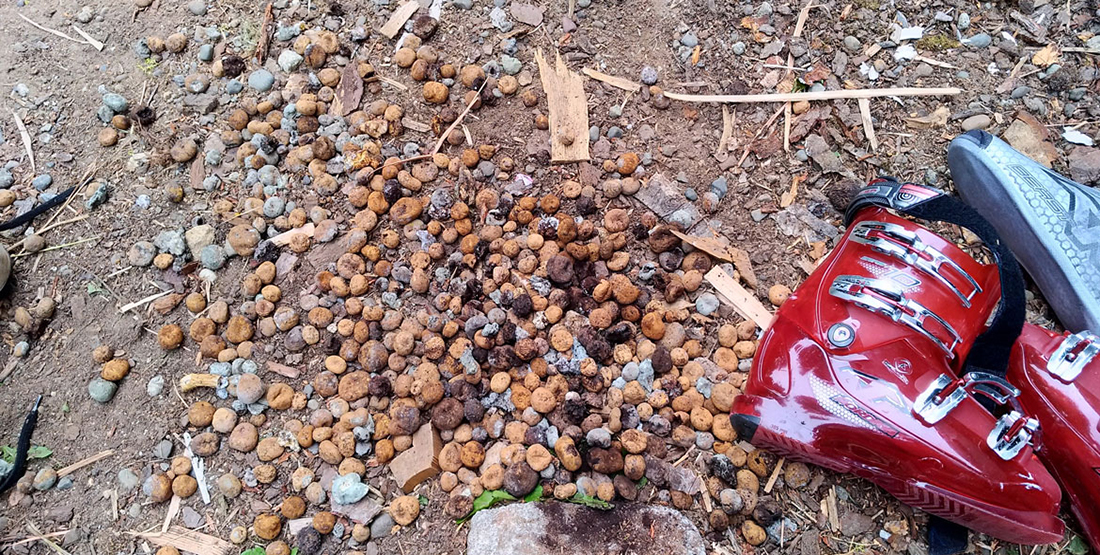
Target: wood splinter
{"x":191,"y":382}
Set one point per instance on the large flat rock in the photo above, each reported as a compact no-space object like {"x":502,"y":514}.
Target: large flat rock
{"x":553,"y":528}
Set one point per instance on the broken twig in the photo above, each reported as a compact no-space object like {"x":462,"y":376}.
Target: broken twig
{"x":58,"y":33}
{"x":85,"y":462}
{"x":810,"y":96}
{"x":25,"y":135}
{"x":617,"y":82}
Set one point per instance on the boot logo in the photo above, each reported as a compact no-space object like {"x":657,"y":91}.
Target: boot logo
{"x":844,"y":406}
{"x":900,"y":368}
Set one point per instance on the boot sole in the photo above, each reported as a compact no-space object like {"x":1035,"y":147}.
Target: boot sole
{"x":1059,"y":241}
{"x":1017,"y":526}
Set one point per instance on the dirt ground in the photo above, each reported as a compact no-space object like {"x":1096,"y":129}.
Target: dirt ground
{"x":92,"y":279}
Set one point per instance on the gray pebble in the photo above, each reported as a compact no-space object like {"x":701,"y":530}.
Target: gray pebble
{"x":206,"y":52}
{"x":720,"y":186}
{"x":463,"y":4}
{"x":1020,"y":92}
{"x":155,"y":386}
{"x":615,"y":132}
{"x":6,"y":179}
{"x":42,"y":181}
{"x":101,"y":390}
{"x":273,"y":207}
{"x":852,"y":44}
{"x":116,"y":102}
{"x":689,"y":40}
{"x":510,"y":65}
{"x":197,"y":7}
{"x":594,"y":133}
{"x":964,"y":21}
{"x":706,"y":304}
{"x":21,"y":349}
{"x":691,"y":195}
{"x":598,"y":437}
{"x":98,"y":197}
{"x":163,"y":449}
{"x":739,"y":48}
{"x":128,"y":480}
{"x":142,"y":253}
{"x":649,"y":75}
{"x":262,"y":80}
{"x":381,"y":526}
{"x":289,"y":61}
{"x":980,"y":40}
{"x":234,"y":86}
{"x":978,"y":121}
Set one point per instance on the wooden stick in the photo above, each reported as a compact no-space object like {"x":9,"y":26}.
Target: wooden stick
{"x":92,"y":41}
{"x":1081,"y":50}
{"x":44,"y":539}
{"x":29,"y":539}
{"x":811,"y":96}
{"x":146,"y":300}
{"x":85,"y":462}
{"x":24,"y":134}
{"x":55,"y":32}
{"x":868,"y":125}
{"x":618,"y":82}
{"x":265,"y":35}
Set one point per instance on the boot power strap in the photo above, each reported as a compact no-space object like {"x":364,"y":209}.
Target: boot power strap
{"x":991,"y":350}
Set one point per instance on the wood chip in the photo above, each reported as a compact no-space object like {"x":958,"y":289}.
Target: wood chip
{"x":775,"y":475}
{"x":283,"y":239}
{"x":283,"y":370}
{"x":811,"y":96}
{"x":398,"y":19}
{"x":189,"y":540}
{"x":868,"y":125}
{"x":194,"y":381}
{"x":745,"y":303}
{"x":349,"y":92}
{"x":568,"y":110}
{"x":198,"y":173}
{"x":618,"y":82}
{"x":834,"y":514}
{"x":720,"y":248}
{"x":788,"y":197}
{"x":420,"y":462}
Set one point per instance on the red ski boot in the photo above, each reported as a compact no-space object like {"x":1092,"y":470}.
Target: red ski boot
{"x":1059,"y":379}
{"x":881,"y":365}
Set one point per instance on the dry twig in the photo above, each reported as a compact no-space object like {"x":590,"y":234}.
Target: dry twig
{"x":811,"y":96}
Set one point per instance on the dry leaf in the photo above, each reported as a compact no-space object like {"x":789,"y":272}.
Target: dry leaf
{"x":349,"y":92}
{"x":937,"y":118}
{"x":165,"y":304}
{"x":818,"y":73}
{"x":788,"y":197}
{"x":1046,"y":56}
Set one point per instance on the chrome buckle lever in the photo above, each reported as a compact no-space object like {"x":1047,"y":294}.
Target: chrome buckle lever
{"x":894,"y":240}
{"x":1012,"y":433}
{"x":887,"y":298}
{"x":1073,"y":354}
{"x":939,"y":399}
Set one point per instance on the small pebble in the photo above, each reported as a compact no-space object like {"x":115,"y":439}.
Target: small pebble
{"x":261,"y":80}
{"x":649,"y":75}
{"x":45,"y":479}
{"x":197,"y":7}
{"x":101,"y":390}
